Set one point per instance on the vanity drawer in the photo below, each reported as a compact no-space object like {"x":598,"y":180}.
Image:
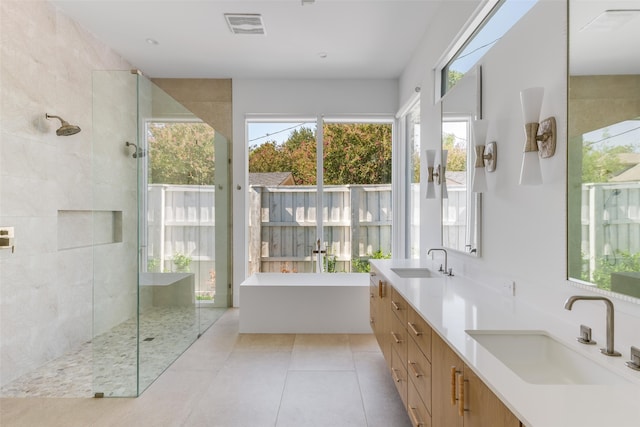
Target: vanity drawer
{"x":418,"y":413}
{"x":419,"y":372}
{"x":399,"y":374}
{"x":418,"y":329}
{"x":398,"y":339}
{"x":399,"y":306}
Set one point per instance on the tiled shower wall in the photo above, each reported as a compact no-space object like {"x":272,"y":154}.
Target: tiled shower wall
{"x":47,"y":64}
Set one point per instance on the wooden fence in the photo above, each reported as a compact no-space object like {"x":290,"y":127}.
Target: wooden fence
{"x":282,"y":226}
{"x":610,"y":221}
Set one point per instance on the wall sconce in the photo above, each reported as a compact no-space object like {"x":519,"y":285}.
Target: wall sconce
{"x":540,"y":137}
{"x":436,"y":174}
{"x":431,"y":157}
{"x":486,"y":156}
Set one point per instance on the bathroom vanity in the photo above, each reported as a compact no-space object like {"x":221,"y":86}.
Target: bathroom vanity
{"x":462,"y":354}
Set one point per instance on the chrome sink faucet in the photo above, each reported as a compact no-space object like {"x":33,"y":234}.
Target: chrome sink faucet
{"x":609,"y":351}
{"x":446,"y":269}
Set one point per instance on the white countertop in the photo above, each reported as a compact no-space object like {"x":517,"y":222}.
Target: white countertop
{"x":452,"y":305}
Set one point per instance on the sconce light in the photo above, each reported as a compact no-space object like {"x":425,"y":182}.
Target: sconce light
{"x":431,"y":157}
{"x":486,"y":156}
{"x":436,"y":174}
{"x":540,"y":137}
{"x":442,"y":169}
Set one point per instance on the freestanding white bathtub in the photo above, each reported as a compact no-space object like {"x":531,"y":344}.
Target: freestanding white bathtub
{"x":310,"y":303}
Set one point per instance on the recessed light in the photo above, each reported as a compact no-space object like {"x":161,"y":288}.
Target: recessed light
{"x":322,"y":55}
{"x":152,"y":42}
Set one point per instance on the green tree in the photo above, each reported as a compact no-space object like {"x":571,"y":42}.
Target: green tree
{"x":456,"y":156}
{"x":181,"y":153}
{"x":453,"y":77}
{"x":357,"y":154}
{"x":353,"y":154}
{"x":601,"y":164}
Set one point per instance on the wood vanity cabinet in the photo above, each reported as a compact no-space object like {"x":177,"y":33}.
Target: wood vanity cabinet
{"x":380,"y":315}
{"x":436,"y":387}
{"x":460,"y":398}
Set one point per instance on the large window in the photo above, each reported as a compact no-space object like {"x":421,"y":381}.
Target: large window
{"x":412,"y":136}
{"x":327,"y":215}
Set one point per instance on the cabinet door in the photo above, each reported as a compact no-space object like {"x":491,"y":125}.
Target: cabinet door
{"x":446,"y":368}
{"x":482,"y":406}
{"x":416,"y":408}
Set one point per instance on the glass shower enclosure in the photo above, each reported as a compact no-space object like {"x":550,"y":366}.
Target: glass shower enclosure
{"x":161,"y":231}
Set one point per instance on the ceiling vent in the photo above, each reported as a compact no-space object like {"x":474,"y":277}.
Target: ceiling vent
{"x":245,"y":23}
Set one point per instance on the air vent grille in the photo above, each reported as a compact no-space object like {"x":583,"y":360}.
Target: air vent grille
{"x":245,"y":23}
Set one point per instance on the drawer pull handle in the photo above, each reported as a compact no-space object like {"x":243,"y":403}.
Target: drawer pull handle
{"x":415,"y":372}
{"x":395,"y":306}
{"x":461,"y":395}
{"x":395,"y":376}
{"x":413,"y":329}
{"x":453,"y":385}
{"x":395,"y":338}
{"x":414,"y":418}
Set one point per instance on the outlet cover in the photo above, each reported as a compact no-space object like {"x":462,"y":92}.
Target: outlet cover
{"x":508,"y":288}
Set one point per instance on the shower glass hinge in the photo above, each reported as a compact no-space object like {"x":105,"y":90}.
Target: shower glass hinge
{"x":99,"y":395}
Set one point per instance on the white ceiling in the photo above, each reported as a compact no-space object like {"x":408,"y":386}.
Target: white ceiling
{"x":614,"y":51}
{"x":361,"y":38}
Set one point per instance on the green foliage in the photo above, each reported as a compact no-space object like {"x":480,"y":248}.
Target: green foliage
{"x":601,"y":164}
{"x":457,"y":154}
{"x":415,"y":166}
{"x":331,"y":263}
{"x":357,"y":154}
{"x":182,"y":262}
{"x":625,"y":261}
{"x":353,"y":154}
{"x":453,"y":77}
{"x":181,"y":153}
{"x":153,"y":265}
{"x":361,"y":265}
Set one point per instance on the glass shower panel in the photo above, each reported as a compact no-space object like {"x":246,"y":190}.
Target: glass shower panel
{"x":174,"y":163}
{"x":115,"y":244}
{"x":161,"y":198}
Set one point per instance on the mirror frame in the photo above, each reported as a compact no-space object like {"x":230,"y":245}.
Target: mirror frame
{"x":476,"y":72}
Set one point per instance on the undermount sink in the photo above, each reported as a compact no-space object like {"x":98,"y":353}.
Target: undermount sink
{"x":538,"y":358}
{"x":409,"y":272}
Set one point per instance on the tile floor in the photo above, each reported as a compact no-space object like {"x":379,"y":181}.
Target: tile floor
{"x":229,"y":379}
{"x":72,"y":375}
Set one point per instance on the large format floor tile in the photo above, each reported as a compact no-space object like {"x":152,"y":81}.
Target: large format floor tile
{"x":227,"y":379}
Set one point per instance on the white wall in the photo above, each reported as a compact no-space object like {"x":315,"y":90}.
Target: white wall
{"x":46,"y":66}
{"x":524,"y":227}
{"x":294,"y":97}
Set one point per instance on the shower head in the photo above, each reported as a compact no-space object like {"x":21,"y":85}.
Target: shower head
{"x":65,"y":128}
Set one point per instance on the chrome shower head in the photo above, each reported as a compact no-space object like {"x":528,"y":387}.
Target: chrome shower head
{"x":65,"y":128}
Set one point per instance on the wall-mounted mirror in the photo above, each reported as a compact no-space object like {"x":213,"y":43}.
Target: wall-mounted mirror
{"x":461,"y":208}
{"x":604,"y":145}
